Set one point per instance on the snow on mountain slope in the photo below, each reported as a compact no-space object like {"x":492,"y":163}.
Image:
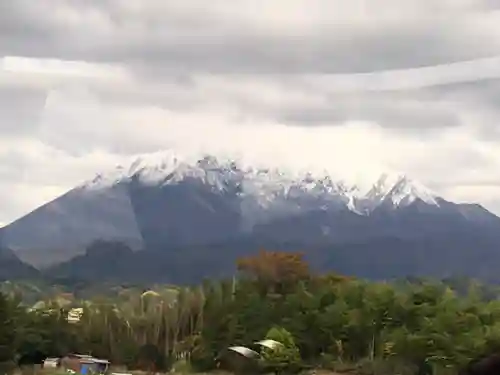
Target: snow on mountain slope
{"x":280,"y":190}
{"x":395,"y":191}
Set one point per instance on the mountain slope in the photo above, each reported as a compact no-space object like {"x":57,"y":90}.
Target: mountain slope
{"x":167,"y":205}
{"x":12,"y":268}
{"x":438,"y":256}
{"x":61,"y":229}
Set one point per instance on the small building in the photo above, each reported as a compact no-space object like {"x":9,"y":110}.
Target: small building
{"x":75,"y":314}
{"x":52,"y":362}
{"x":84,"y":364}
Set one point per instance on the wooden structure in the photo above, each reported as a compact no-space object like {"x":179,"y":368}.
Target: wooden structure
{"x":84,"y":364}
{"x":52,"y":362}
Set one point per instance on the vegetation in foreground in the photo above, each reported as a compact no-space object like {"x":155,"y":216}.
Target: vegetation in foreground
{"x":324,"y":321}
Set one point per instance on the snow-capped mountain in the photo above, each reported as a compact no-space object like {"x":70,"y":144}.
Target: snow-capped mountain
{"x":164,"y":201}
{"x":271,"y":189}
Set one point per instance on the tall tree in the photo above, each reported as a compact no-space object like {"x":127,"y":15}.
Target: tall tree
{"x":275,"y":271}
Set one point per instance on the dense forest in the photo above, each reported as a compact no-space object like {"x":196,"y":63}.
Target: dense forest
{"x":323,"y":321}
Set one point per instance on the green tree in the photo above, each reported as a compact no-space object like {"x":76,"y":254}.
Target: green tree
{"x":8,"y":337}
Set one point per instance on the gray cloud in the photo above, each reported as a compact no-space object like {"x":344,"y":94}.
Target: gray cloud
{"x":397,"y":112}
{"x":254,"y":97}
{"x":165,"y":37}
{"x":19,"y":110}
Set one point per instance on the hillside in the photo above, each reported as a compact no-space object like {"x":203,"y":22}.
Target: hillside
{"x":11,"y":268}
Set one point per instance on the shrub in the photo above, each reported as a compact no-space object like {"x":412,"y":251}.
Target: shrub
{"x":284,"y":358}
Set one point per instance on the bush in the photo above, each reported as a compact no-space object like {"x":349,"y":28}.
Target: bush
{"x":7,"y":367}
{"x":202,"y":357}
{"x":283,"y":358}
{"x":384,"y":367}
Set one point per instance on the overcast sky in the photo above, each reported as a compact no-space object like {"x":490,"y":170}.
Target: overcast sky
{"x":413,"y":85}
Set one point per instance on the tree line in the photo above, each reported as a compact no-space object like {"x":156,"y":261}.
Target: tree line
{"x":324,"y":321}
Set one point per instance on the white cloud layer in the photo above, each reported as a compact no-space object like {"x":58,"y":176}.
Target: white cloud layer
{"x":355,"y":87}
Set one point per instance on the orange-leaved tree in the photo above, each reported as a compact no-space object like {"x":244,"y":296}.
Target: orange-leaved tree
{"x":275,"y":271}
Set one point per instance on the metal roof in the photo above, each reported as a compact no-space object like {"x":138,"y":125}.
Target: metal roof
{"x":244,"y":351}
{"x":268,"y":343}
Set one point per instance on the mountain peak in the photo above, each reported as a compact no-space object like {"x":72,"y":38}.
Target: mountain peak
{"x":269,"y":186}
{"x":400,"y":190}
